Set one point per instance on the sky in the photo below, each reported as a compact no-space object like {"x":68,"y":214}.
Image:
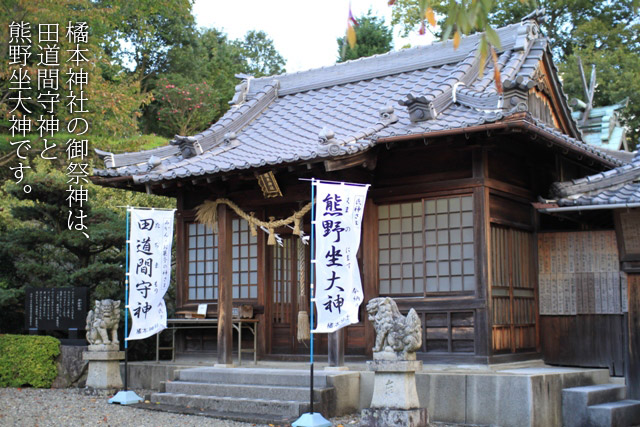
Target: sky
{"x":304,"y":32}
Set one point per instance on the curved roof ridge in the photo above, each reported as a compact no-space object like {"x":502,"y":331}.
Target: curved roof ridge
{"x":514,"y":36}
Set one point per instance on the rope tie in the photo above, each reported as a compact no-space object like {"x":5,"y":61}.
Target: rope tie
{"x":207,"y":213}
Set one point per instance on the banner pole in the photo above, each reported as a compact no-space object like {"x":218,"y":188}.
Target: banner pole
{"x":126,"y":309}
{"x":126,"y":397}
{"x":311,"y":419}
{"x":312,"y":293}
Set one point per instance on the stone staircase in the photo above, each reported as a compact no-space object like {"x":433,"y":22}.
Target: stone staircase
{"x":599,"y":405}
{"x":245,"y":394}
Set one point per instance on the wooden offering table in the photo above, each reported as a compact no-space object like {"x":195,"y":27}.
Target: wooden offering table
{"x":194,"y":323}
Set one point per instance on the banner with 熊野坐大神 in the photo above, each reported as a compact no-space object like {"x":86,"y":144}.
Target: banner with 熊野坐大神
{"x":338,"y":220}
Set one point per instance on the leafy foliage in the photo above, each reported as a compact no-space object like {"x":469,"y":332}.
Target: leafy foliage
{"x":614,"y":49}
{"x":114,"y":98}
{"x":144,"y":31}
{"x":372,"y":35}
{"x":28,"y":360}
{"x":260,"y":56}
{"x":38,"y":250}
{"x":185,"y":108}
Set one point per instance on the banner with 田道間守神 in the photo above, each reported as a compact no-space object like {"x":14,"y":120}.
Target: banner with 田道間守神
{"x":150,"y":238}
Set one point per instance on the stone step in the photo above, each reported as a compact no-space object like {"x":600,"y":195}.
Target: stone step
{"x":576,"y":400}
{"x":595,"y":394}
{"x":253,"y":391}
{"x":622,"y":413}
{"x":279,"y":409}
{"x":246,"y":417}
{"x":278,"y":377}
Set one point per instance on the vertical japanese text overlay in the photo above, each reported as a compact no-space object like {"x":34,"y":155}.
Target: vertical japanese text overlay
{"x":48,"y":65}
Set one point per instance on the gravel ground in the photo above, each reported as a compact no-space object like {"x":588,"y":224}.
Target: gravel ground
{"x":70,"y":408}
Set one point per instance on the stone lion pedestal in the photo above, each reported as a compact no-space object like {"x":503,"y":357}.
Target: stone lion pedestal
{"x":104,"y":353}
{"x":104,"y":366}
{"x":395,"y":397}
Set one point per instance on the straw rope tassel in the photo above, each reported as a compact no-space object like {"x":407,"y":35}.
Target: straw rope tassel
{"x":207,"y":214}
{"x":304,"y":330}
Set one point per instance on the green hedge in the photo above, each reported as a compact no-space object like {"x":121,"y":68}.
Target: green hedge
{"x":28,"y":360}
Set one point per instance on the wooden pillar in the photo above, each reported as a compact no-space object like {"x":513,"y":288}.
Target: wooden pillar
{"x":481,"y":225}
{"x":370,"y":269}
{"x":633,"y":349}
{"x":225,"y":327}
{"x":336,"y":347}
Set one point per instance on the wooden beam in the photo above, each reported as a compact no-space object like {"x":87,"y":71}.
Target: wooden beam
{"x":182,"y":281}
{"x":369,"y":267}
{"x":481,"y":247}
{"x":367,"y":159}
{"x":335,"y":343}
{"x":632,"y":373}
{"x":225,"y":303}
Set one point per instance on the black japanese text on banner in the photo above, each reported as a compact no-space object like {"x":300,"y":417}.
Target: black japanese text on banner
{"x":150,"y":241}
{"x":337,"y":238}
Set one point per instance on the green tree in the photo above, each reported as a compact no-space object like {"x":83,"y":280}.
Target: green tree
{"x":372,"y":37}
{"x":212,"y":58}
{"x":185,"y":108}
{"x":38,"y":250}
{"x":615,"y":52}
{"x":260,"y":55}
{"x":144,"y":31}
{"x":114,"y":98}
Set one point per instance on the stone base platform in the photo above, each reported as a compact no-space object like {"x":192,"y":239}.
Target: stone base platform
{"x":510,"y":394}
{"x":104,"y":369}
{"x":385,"y":417}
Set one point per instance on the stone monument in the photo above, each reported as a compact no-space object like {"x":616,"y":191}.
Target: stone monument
{"x":395,"y":397}
{"x":104,"y":353}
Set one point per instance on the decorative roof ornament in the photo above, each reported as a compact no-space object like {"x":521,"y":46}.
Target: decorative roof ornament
{"x":387,"y":115}
{"x":326,"y":136}
{"x":107,"y":157}
{"x":420,"y":108}
{"x":538,"y":15}
{"x":229,"y":137}
{"x":188,"y":146}
{"x":242,"y":89}
{"x":153,"y":162}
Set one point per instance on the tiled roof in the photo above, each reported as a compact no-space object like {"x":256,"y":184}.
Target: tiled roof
{"x":347,"y":108}
{"x":616,"y":186}
{"x":603,"y":128}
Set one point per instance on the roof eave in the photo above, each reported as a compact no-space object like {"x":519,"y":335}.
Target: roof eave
{"x":509,"y":123}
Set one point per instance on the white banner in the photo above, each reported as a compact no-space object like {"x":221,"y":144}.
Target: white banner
{"x":339,"y":209}
{"x":150,"y":238}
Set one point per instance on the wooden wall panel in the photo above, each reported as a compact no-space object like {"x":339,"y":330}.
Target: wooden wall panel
{"x":593,"y":341}
{"x":579,"y":273}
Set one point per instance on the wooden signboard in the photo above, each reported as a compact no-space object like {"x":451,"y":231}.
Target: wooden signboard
{"x":579,"y":274}
{"x":630,"y":228}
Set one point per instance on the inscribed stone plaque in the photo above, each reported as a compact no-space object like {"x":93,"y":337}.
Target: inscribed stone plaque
{"x":48,"y":309}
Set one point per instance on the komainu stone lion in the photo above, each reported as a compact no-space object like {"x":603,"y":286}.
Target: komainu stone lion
{"x":102,"y":322}
{"x":394,"y":332}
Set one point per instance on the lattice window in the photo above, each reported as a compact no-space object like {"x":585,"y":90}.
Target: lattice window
{"x":245,"y":261}
{"x":426,"y":247}
{"x":282,"y":281}
{"x":202,"y":262}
